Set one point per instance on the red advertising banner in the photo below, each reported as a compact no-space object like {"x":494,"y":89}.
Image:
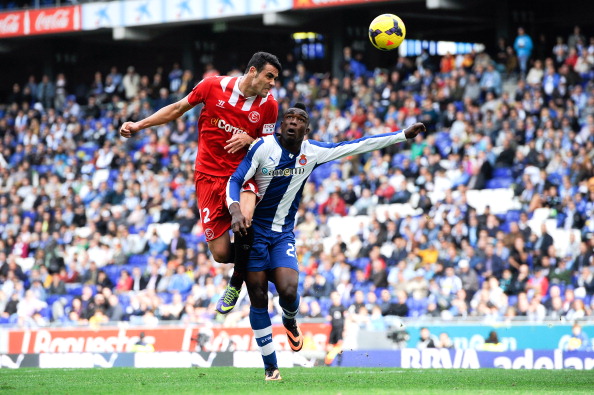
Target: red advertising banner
{"x":302,"y":4}
{"x":55,"y":20}
{"x":12,"y":24}
{"x":175,"y":338}
{"x":44,"y":21}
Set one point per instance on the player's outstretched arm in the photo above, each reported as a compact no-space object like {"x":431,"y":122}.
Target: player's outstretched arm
{"x":332,"y":151}
{"x":412,"y":131}
{"x":164,"y":115}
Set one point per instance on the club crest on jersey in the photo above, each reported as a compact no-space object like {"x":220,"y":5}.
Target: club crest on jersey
{"x":302,"y":160}
{"x":254,"y":116}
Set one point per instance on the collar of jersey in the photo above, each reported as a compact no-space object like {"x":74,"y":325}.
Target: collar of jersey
{"x":277,"y":139}
{"x":236,"y":88}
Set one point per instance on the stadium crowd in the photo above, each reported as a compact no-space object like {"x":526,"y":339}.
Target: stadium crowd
{"x":95,"y":228}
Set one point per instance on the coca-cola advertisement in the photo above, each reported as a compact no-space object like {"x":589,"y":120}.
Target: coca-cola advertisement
{"x":174,"y":338}
{"x":12,"y":24}
{"x":55,"y":20}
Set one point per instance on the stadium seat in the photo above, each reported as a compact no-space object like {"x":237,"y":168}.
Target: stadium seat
{"x":46,"y":313}
{"x":502,"y":172}
{"x":513,"y":215}
{"x":138,"y":260}
{"x":397,"y":160}
{"x":113,"y":272}
{"x":497,"y":183}
{"x":555,"y":178}
{"x":512,"y":300}
{"x":166,"y":297}
{"x":74,"y":289}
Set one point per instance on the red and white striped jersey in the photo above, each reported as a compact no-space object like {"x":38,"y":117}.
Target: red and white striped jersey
{"x":226,"y":112}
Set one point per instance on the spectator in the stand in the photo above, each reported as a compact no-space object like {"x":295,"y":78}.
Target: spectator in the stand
{"x":46,"y":92}
{"x":130,"y":83}
{"x":57,"y":287}
{"x":391,"y":307}
{"x":578,"y":340}
{"x":523,"y":46}
{"x":426,"y":339}
{"x":491,"y":264}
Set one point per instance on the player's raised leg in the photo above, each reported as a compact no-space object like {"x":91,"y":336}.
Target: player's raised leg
{"x":257,"y":285}
{"x":241,"y":249}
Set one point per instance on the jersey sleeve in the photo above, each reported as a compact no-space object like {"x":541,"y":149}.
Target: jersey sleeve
{"x":330,"y":151}
{"x":245,"y":171}
{"x":200,"y":91}
{"x":270,"y":117}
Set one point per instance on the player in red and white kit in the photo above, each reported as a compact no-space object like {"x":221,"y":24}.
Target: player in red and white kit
{"x":236,"y":111}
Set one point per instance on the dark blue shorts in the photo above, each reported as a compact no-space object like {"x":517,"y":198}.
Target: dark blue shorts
{"x":272,"y":250}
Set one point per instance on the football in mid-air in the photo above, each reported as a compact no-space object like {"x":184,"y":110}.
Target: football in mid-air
{"x":387,"y":32}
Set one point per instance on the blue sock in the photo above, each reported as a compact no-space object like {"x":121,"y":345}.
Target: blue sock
{"x":290,"y":310}
{"x":262,"y":327}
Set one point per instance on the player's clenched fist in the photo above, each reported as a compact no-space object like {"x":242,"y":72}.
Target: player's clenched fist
{"x":412,"y":131}
{"x":129,"y":129}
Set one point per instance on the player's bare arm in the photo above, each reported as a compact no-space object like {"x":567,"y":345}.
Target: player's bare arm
{"x":412,"y":131}
{"x":164,"y":115}
{"x":239,"y":223}
{"x":238,"y":142}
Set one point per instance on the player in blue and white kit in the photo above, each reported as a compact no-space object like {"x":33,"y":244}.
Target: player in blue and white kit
{"x":280,"y":165}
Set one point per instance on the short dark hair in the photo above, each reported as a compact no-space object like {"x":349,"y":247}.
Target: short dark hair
{"x":300,"y":106}
{"x":261,"y":59}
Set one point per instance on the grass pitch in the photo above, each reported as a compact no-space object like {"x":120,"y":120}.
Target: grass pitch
{"x":319,"y":380}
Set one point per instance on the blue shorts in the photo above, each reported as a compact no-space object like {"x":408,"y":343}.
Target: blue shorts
{"x":272,"y":250}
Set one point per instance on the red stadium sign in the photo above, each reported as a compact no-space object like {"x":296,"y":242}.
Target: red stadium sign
{"x":44,"y":21}
{"x":55,"y":20}
{"x":176,"y":338}
{"x":12,"y":24}
{"x":328,"y":3}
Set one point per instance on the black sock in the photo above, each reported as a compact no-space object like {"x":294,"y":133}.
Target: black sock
{"x":243,"y":247}
{"x":231,"y":254}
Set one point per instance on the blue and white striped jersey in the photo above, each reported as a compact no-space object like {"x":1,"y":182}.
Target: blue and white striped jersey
{"x":280,"y":175}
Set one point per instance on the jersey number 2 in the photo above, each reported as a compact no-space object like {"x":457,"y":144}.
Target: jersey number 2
{"x":291,"y":250}
{"x":206,"y":212}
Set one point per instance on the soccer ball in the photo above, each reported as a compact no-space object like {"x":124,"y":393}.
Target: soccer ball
{"x":387,"y":32}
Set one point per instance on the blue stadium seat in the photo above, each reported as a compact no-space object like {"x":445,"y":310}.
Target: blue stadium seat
{"x":512,"y":300}
{"x":46,"y":313}
{"x":138,"y":260}
{"x":555,"y":178}
{"x":113,"y":272}
{"x":325,"y":304}
{"x":74,"y":289}
{"x":361,"y":263}
{"x":397,"y":160}
{"x":497,"y":183}
{"x":30,"y":214}
{"x":165,"y":296}
{"x":502,"y":172}
{"x":512,"y":215}
{"x":378,"y":292}
{"x":51,"y":299}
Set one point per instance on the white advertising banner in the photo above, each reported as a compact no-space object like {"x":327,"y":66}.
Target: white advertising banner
{"x":101,"y":15}
{"x":265,"y":6}
{"x":224,"y":8}
{"x":145,"y":12}
{"x":184,"y":10}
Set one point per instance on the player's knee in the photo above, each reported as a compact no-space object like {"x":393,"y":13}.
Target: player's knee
{"x":259,"y":297}
{"x":288,"y":292}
